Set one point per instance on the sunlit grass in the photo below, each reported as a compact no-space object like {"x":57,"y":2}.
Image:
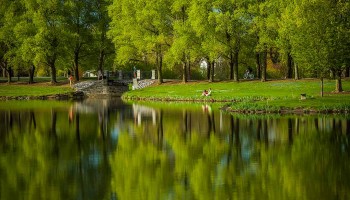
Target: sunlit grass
{"x":32,"y":90}
{"x":253,"y":95}
{"x":241,"y":90}
{"x":16,"y":80}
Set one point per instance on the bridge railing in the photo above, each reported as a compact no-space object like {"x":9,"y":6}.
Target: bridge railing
{"x":129,"y":75}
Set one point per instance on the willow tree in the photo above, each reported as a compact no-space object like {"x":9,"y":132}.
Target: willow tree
{"x":142,"y":26}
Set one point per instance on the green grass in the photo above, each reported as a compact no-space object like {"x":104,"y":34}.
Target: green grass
{"x":253,"y":95}
{"x":325,"y":104}
{"x":236,"y":91}
{"x":32,"y":90}
{"x":36,"y":79}
{"x":41,"y":87}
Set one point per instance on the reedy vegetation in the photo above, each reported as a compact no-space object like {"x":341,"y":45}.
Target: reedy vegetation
{"x":312,"y":36}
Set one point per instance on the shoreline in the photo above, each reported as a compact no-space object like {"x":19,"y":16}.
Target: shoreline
{"x":227,"y":108}
{"x":65,"y":96}
{"x":277,"y":110}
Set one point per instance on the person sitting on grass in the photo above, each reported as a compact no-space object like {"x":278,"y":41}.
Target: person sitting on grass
{"x":206,"y":93}
{"x":209,"y":92}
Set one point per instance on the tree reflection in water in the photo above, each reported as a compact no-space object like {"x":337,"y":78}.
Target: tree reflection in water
{"x":111,"y":150}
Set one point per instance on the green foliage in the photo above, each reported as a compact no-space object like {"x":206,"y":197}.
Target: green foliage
{"x":177,"y":35}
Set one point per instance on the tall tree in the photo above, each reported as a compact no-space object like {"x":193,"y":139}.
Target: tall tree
{"x":185,"y":42}
{"x":103,"y":45}
{"x":24,"y":32}
{"x":321,"y":39}
{"x":78,"y":19}
{"x":9,"y":14}
{"x":146,"y":25}
{"x":265,"y":18}
{"x":201,"y":16}
{"x":231,"y":21}
{"x":50,"y":36}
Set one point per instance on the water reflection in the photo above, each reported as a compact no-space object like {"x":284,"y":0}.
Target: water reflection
{"x":106,"y":149}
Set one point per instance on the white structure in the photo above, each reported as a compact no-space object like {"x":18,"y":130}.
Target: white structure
{"x":90,"y":73}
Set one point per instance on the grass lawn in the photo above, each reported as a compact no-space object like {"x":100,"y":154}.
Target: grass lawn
{"x":289,"y":89}
{"x":243,"y":95}
{"x":41,"y":87}
{"x":252,"y":94}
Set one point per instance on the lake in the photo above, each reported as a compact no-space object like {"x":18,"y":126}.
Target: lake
{"x":108,"y":149}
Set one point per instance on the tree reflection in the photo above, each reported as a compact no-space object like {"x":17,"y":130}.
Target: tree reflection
{"x":40,"y":159}
{"x":172,"y":154}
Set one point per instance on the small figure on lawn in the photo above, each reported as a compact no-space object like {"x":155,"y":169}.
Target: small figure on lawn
{"x":70,"y":80}
{"x":206,"y":92}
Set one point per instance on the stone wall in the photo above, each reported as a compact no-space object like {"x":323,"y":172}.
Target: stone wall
{"x":101,"y":88}
{"x":139,"y":84}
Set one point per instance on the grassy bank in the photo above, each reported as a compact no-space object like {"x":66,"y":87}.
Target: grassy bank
{"x":41,"y":87}
{"x":253,"y":96}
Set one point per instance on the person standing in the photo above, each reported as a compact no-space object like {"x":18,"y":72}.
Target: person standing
{"x":70,"y":80}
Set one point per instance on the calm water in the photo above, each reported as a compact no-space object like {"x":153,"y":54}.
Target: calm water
{"x":105,"y":149}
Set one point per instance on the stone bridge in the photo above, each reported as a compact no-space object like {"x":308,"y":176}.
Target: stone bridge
{"x":110,"y":88}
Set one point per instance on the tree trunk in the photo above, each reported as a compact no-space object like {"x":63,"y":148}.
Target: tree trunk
{"x":76,"y":64}
{"x":184,"y":71}
{"x":9,"y":77}
{"x":9,"y":74}
{"x":231,"y":66}
{"x":296,"y":72}
{"x":235,"y":67}
{"x":208,"y":69}
{"x":258,"y":65}
{"x":212,"y":72}
{"x":339,"y":87}
{"x":4,"y":72}
{"x":53,"y":72}
{"x":31,"y":74}
{"x":189,"y":70}
{"x":160,"y":66}
{"x":289,"y":66}
{"x":101,"y":61}
{"x":264,"y":67}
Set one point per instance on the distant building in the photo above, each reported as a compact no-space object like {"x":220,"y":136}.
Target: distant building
{"x":90,"y":73}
